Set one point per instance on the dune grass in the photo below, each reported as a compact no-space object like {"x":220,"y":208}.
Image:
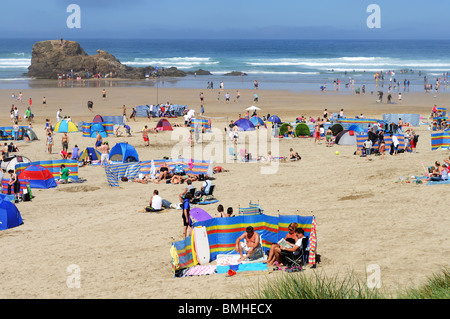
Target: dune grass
{"x":319,"y":286}
{"x":437,"y":287}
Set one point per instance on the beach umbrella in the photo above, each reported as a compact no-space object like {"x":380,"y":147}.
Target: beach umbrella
{"x":253,"y":108}
{"x":65,"y":126}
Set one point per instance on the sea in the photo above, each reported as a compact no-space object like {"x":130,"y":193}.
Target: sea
{"x":297,"y":65}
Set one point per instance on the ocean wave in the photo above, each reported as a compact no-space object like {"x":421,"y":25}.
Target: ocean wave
{"x":350,"y":63}
{"x":14,"y":63}
{"x":179,"y":62}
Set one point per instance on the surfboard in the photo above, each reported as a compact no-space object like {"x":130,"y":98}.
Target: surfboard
{"x":206,"y":202}
{"x":201,"y":245}
{"x":199,"y":215}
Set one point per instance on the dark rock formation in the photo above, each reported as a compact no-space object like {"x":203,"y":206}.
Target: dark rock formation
{"x":199,"y":72}
{"x":235,"y":73}
{"x":53,"y":57}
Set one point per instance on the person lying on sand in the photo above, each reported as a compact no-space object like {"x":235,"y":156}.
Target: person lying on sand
{"x":294,"y":155}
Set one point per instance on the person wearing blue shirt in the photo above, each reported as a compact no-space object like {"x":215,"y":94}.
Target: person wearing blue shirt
{"x":187,"y":221}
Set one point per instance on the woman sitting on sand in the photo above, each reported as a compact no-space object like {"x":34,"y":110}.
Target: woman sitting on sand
{"x":275,"y":248}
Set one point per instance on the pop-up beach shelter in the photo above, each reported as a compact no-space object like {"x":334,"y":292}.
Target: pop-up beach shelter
{"x":90,"y":152}
{"x":9,"y":215}
{"x":65,"y":126}
{"x":336,"y":129}
{"x":123,"y":152}
{"x":38,"y":176}
{"x":98,"y":127}
{"x":256,"y":120}
{"x":355,"y":128}
{"x":274,"y":119}
{"x":98,"y":119}
{"x":346,"y":137}
{"x":164,"y":125}
{"x":245,"y":125}
{"x":302,"y":129}
{"x":10,"y":162}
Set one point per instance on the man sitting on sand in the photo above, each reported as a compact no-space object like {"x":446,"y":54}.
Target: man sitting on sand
{"x":65,"y":172}
{"x":251,"y":246}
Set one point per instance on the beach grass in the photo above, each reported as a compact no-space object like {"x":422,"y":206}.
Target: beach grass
{"x":320,"y":286}
{"x":437,"y":287}
{"x":316,"y":286}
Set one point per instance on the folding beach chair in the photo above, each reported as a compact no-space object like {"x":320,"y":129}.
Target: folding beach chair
{"x":210,"y":196}
{"x":298,"y":258}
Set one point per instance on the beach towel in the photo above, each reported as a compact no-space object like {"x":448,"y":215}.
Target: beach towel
{"x":243,"y":267}
{"x":201,"y":270}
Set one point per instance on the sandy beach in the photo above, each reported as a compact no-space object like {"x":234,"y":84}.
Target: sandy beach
{"x":363,"y":216}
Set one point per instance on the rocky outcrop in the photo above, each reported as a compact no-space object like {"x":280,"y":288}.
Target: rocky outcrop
{"x":53,"y":57}
{"x":199,"y":72}
{"x":235,"y":73}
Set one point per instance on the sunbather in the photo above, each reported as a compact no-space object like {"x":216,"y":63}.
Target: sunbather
{"x":294,"y":155}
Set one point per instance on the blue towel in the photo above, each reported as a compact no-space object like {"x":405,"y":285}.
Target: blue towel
{"x":242,"y":267}
{"x":438,"y":182}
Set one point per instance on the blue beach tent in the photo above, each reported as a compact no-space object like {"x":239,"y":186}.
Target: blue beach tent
{"x":123,"y":152}
{"x":9,"y":215}
{"x":245,"y":125}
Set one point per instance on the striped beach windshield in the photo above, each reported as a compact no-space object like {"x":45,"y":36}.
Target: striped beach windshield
{"x":440,"y":140}
{"x":362,"y":137}
{"x":108,"y":126}
{"x":200,"y":124}
{"x":53,"y":166}
{"x":115,"y":172}
{"x":223,"y":232}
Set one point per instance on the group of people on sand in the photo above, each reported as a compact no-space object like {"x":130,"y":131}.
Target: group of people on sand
{"x":294,"y":242}
{"x":439,"y":172}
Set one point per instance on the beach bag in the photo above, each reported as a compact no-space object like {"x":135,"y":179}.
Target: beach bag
{"x":179,"y":169}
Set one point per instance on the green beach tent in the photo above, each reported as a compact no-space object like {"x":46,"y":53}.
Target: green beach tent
{"x":302,"y":130}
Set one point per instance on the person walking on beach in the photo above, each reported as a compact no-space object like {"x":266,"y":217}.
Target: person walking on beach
{"x":58,"y":115}
{"x":104,"y":94}
{"x":44,"y":101}
{"x":238,"y":95}
{"x":133,"y":114}
{"x":145,"y":136}
{"x":16,"y":130}
{"x":104,"y":150}
{"x":49,"y":143}
{"x":124,"y":113}
{"x":65,"y":142}
{"x":187,"y":221}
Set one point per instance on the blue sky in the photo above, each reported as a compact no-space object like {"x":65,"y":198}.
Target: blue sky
{"x":213,"y":19}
